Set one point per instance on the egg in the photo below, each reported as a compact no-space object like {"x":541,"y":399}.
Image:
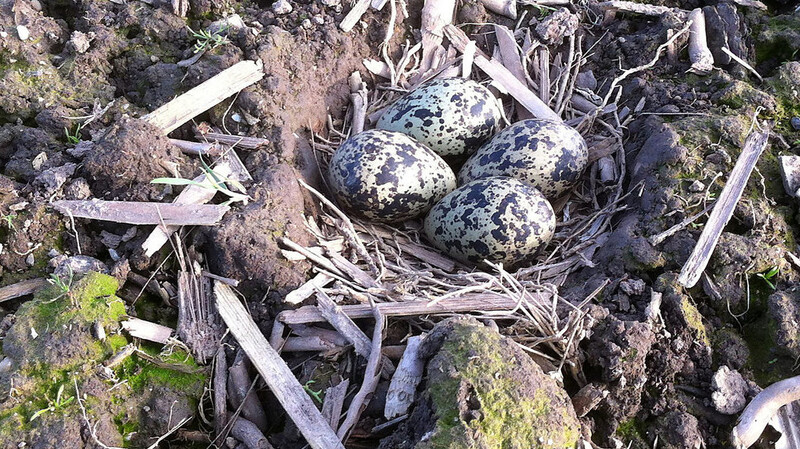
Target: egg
{"x":499,"y":219}
{"x":548,"y":155}
{"x":452,"y":116}
{"x":386,"y":176}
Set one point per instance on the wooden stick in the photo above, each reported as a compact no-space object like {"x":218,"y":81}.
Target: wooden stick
{"x":502,"y":76}
{"x":22,"y":288}
{"x":762,"y":408}
{"x":147,"y":330}
{"x":248,"y":433}
{"x":371,"y":376}
{"x":341,"y":322}
{"x":246,"y":143}
{"x":276,"y":374}
{"x":466,"y":303}
{"x":205,"y":96}
{"x":358,"y":96}
{"x":352,"y":17}
{"x":658,"y":238}
{"x":742,"y":62}
{"x":723,"y":209}
{"x":404,"y":383}
{"x":638,"y":8}
{"x":334,"y":401}
{"x":143,"y":213}
{"x":506,"y":8}
{"x":220,"y":392}
{"x":306,"y":290}
{"x":242,"y":394}
{"x":699,"y":53}
{"x":197,"y":148}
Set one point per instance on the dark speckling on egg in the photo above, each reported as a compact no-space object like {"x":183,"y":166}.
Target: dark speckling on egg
{"x":387,"y":176}
{"x":452,"y":116}
{"x":498,"y":219}
{"x":548,"y":155}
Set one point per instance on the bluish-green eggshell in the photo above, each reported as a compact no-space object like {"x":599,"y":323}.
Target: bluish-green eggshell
{"x":451,"y":116}
{"x":387,"y":176}
{"x":548,"y":155}
{"x":498,"y":219}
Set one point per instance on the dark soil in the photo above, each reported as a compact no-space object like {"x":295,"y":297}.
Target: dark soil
{"x":115,"y":61}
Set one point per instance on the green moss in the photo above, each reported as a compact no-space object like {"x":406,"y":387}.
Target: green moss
{"x":508,"y":419}
{"x":694,"y":320}
{"x":766,"y":364}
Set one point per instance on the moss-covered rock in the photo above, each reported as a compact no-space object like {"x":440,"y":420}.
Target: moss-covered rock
{"x":485,"y":392}
{"x":52,"y":358}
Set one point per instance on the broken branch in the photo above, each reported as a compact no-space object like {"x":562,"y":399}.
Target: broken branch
{"x":143,"y":213}
{"x":723,"y":210}
{"x":762,"y":408}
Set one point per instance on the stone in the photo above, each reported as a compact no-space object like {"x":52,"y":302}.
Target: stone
{"x":730,"y":391}
{"x":790,"y":173}
{"x":282,"y":7}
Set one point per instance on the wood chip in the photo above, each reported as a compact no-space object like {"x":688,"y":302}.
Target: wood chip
{"x":723,"y":210}
{"x":205,"y":96}
{"x":147,"y":330}
{"x":699,"y":53}
{"x":143,"y":213}
{"x":352,"y":17}
{"x":306,"y":290}
{"x":22,"y":288}
{"x":278,"y":377}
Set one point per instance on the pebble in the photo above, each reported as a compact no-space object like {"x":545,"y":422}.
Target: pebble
{"x":318,"y":19}
{"x":23,"y":33}
{"x":331,"y":3}
{"x":697,"y":186}
{"x":282,"y":7}
{"x":307,"y":24}
{"x":795,"y":121}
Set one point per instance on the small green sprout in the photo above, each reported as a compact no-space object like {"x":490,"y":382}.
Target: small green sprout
{"x":9,"y":219}
{"x":768,"y":275}
{"x":53,"y":406}
{"x":207,"y":40}
{"x":314,"y":394}
{"x":65,"y":287}
{"x":214,"y":181}
{"x":74,"y":137}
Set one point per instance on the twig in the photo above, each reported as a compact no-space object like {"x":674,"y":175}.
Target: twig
{"x":143,"y":213}
{"x":341,"y":322}
{"x":247,"y":143}
{"x":220,"y":392}
{"x":205,"y":96}
{"x":306,"y":290}
{"x":404,"y":383}
{"x":197,"y":148}
{"x":761,"y":409}
{"x":89,"y":426}
{"x":638,"y":8}
{"x":723,"y":209}
{"x":169,"y":432}
{"x":334,"y":401}
{"x":699,"y":54}
{"x":278,"y":377}
{"x":660,"y":237}
{"x":371,"y":377}
{"x":358,"y":96}
{"x":352,"y":17}
{"x":742,"y":62}
{"x":249,"y":434}
{"x":456,"y":304}
{"x":22,"y":288}
{"x":241,"y":393}
{"x":500,"y":74}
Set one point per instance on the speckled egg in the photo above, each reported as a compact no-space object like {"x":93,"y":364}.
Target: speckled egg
{"x":387,"y":176}
{"x":548,"y":155}
{"x":498,"y":219}
{"x":452,"y":116}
